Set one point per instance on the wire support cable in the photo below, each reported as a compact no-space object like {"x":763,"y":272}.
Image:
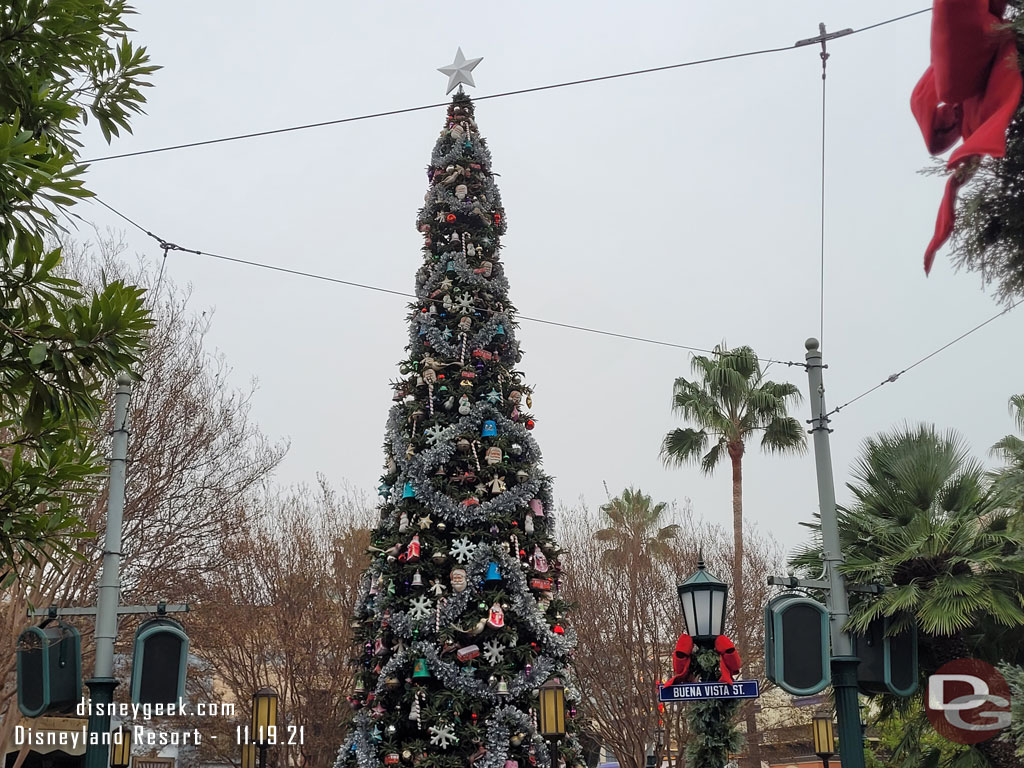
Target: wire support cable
{"x":892,"y":378}
{"x":166,"y":245}
{"x":520,"y":91}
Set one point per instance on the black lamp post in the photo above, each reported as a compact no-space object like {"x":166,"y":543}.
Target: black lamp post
{"x":824,"y":736}
{"x":551,"y":712}
{"x":703,"y":599}
{"x":264,"y":721}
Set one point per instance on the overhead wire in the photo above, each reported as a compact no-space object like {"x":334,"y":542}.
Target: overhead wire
{"x":169,"y":246}
{"x":517,"y":92}
{"x":895,"y":376}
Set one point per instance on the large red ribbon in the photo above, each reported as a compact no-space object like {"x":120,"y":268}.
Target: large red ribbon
{"x":971,"y":91}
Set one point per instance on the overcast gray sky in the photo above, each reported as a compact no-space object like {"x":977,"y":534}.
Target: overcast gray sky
{"x":680,"y":206}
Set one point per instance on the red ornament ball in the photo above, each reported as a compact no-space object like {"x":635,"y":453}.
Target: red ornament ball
{"x":557,"y":629}
{"x":497,"y":218}
{"x":530,"y":423}
{"x":450,"y":218}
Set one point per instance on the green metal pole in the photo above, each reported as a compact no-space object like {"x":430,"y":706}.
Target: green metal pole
{"x":102,"y":684}
{"x":844,"y":663}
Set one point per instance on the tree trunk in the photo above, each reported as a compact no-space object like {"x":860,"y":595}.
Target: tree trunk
{"x":753,"y":741}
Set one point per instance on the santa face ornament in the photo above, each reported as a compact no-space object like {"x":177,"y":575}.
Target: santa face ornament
{"x":493,"y":455}
{"x":458,"y":578}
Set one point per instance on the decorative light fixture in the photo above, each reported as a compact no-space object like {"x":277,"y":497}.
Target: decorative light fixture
{"x":121,"y":748}
{"x":824,"y":736}
{"x":703,"y":599}
{"x":264,"y":716}
{"x":551,"y":709}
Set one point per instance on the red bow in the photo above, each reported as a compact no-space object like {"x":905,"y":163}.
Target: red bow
{"x":729,"y":661}
{"x":970,"y":92}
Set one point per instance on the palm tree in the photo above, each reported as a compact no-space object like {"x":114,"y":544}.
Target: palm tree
{"x":729,"y":402}
{"x":925,"y":524}
{"x":1010,"y":479}
{"x":634,"y":536}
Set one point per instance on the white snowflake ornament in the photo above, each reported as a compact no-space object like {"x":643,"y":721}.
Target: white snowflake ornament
{"x":462,"y":550}
{"x":464,"y":304}
{"x":493,"y":652}
{"x":420,"y":608}
{"x":443,"y":736}
{"x":433,"y":434}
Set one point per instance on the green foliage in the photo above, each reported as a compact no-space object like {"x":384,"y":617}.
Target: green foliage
{"x":714,"y":736}
{"x":1009,"y":479}
{"x":1014,"y":675}
{"x":634,"y":534}
{"x":925,"y":525}
{"x":729,"y":401}
{"x":60,"y":63}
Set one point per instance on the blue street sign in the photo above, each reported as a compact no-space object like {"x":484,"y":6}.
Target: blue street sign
{"x":741,"y":689}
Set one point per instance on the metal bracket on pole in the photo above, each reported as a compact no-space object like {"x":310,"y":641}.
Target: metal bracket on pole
{"x":792,"y":582}
{"x":159,"y":609}
{"x":823,"y":37}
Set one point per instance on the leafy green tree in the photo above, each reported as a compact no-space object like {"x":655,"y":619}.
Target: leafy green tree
{"x":634,"y":536}
{"x":1010,"y":478}
{"x":60,"y":64}
{"x":925,"y":524}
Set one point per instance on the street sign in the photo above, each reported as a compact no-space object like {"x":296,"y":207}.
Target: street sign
{"x":741,"y":689}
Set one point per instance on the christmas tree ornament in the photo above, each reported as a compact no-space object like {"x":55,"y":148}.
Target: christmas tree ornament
{"x":419,"y":668}
{"x":419,"y":608}
{"x":522,"y":476}
{"x":490,"y":429}
{"x":458,"y":579}
{"x":465,"y":406}
{"x":497,"y":486}
{"x":425,"y":522}
{"x":408,"y":492}
{"x":530,"y":424}
{"x":496,"y":619}
{"x":528,"y":526}
{"x":493,"y":652}
{"x":417,"y":579}
{"x":537,"y":507}
{"x":479,"y":754}
{"x":493,"y":574}
{"x":493,"y":455}
{"x":493,"y":397}
{"x":443,"y":736}
{"x":461,"y":190}
{"x":462,"y":445}
{"x":412,"y":552}
{"x":391,"y":758}
{"x":542,"y":585}
{"x":462,"y":550}
{"x":516,"y":449}
{"x":539,"y":560}
{"x":467,"y":653}
{"x":384,"y":490}
{"x":403,"y":523}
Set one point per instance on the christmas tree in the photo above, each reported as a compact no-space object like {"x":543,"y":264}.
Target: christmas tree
{"x":459,"y":621}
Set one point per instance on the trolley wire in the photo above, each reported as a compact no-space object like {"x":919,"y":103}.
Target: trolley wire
{"x":520,"y":91}
{"x":892,"y":378}
{"x":169,"y":246}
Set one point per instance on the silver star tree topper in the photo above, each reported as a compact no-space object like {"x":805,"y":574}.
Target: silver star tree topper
{"x":459,"y":71}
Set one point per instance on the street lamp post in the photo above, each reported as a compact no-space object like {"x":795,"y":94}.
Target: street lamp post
{"x":703,"y":599}
{"x":551,"y":711}
{"x":824,"y":736}
{"x":264,"y":721}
